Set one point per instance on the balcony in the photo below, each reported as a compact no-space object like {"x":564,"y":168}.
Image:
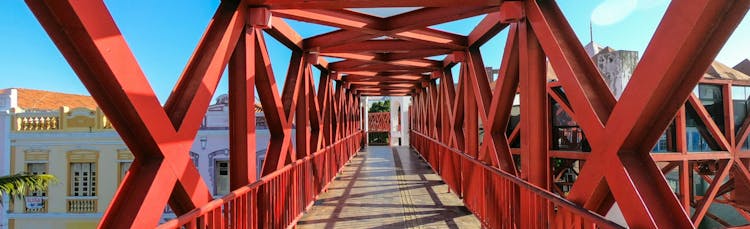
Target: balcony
{"x":82,"y":204}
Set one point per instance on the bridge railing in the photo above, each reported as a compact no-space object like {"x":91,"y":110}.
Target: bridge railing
{"x":277,"y":200}
{"x":494,"y":195}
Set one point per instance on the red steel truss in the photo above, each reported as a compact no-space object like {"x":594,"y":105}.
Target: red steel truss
{"x":620,"y":133}
{"x":379,"y":122}
{"x":505,"y":187}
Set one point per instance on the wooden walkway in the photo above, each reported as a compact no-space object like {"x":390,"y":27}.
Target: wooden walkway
{"x":388,"y":187}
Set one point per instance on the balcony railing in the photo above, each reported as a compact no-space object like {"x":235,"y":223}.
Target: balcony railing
{"x":60,"y":120}
{"x":82,"y":204}
{"x":37,"y":121}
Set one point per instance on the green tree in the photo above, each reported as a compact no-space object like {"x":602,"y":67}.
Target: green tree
{"x":384,"y":106}
{"x":18,"y":185}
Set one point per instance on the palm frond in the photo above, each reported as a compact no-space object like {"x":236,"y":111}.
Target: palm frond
{"x":21,"y":184}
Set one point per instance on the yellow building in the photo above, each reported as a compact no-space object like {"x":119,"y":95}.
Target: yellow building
{"x":77,"y":145}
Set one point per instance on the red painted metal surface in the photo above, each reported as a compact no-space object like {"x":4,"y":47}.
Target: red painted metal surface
{"x":499,"y":191}
{"x":508,"y":175}
{"x":247,"y":207}
{"x":621,"y":134}
{"x":379,"y":122}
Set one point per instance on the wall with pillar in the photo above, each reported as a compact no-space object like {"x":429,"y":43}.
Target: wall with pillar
{"x":400,"y":120}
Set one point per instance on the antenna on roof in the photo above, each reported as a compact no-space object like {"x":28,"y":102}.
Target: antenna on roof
{"x":591,"y":32}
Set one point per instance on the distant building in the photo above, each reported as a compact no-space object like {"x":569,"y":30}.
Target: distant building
{"x":399,"y":117}
{"x":68,"y":136}
{"x":616,"y":67}
{"x":718,"y":82}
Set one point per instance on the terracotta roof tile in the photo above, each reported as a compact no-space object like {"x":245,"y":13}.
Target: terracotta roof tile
{"x":31,"y":99}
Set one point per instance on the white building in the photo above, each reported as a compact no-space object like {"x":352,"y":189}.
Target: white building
{"x":399,"y":117}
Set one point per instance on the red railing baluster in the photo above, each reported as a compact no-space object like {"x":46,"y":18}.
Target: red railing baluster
{"x":267,"y":203}
{"x":495,"y":203}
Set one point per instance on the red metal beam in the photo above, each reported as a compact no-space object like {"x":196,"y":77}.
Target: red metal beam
{"x":406,"y":26}
{"x":384,"y":94}
{"x":445,"y":122}
{"x":386,"y":86}
{"x":338,"y":4}
{"x":702,"y":208}
{"x":340,"y":18}
{"x":411,"y":54}
{"x":159,"y":138}
{"x":277,"y":117}
{"x":412,"y":77}
{"x":502,"y":102}
{"x":380,"y":67}
{"x":584,"y":86}
{"x":389,"y":45}
{"x":434,"y":15}
{"x":394,"y":84}
{"x":241,"y":129}
{"x":283,"y":33}
{"x":364,"y":58}
{"x":486,"y":29}
{"x":535,"y":138}
{"x":646,"y":105}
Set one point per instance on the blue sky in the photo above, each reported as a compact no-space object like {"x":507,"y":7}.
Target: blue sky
{"x":163,"y":34}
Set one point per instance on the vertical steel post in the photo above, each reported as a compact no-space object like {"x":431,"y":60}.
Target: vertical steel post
{"x":242,"y":167}
{"x":534,"y":124}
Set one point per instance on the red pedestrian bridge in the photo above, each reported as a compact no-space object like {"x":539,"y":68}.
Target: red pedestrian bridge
{"x":491,"y":174}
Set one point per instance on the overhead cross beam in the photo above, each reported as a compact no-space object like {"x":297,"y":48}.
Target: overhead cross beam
{"x":407,"y":26}
{"x":397,"y":44}
{"x":339,"y":4}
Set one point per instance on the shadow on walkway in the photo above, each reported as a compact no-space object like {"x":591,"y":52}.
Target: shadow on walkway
{"x":388,"y":187}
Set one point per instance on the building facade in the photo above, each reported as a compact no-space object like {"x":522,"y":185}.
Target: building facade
{"x":79,"y":146}
{"x":399,"y":116}
{"x":717,"y":111}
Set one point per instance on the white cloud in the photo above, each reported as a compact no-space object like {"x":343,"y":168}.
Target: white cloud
{"x":613,"y":11}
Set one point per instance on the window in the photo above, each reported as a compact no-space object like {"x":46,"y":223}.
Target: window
{"x":124,"y":167}
{"x":36,"y":202}
{"x":37,"y":169}
{"x":711,"y":96}
{"x":698,"y":137}
{"x":566,"y":134}
{"x":741,"y":101}
{"x":221,"y":178}
{"x":663,"y":144}
{"x":83,"y":179}
{"x":674,"y":184}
